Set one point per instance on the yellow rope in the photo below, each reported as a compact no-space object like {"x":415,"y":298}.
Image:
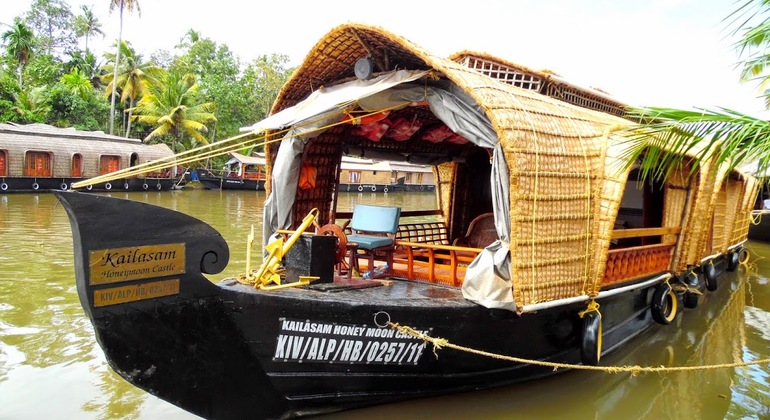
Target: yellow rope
{"x":439,"y":343}
{"x":593,"y":306}
{"x":219,"y":148}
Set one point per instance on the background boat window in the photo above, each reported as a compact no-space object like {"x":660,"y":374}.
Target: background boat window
{"x":77,"y":165}
{"x":3,"y":163}
{"x":37,"y":164}
{"x":108,"y":163}
{"x":134,"y":159}
{"x":355,"y":177}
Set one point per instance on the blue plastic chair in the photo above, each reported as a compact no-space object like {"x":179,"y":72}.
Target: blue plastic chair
{"x":374,"y":230}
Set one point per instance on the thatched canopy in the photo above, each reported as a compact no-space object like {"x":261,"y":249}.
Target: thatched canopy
{"x":557,"y":171}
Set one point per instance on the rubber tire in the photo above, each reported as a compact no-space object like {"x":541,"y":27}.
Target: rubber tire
{"x":664,"y":306}
{"x":108,"y":186}
{"x":35,"y":186}
{"x":145,"y":187}
{"x":63,"y":186}
{"x":360,"y":188}
{"x":710,"y":276}
{"x":4,"y":186}
{"x":591,"y":341}
{"x":732,"y":260}
{"x":125,"y":186}
{"x":689,"y":299}
{"x":158,"y":187}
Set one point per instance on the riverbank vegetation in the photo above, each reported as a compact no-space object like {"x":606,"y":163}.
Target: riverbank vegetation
{"x":195,"y":94}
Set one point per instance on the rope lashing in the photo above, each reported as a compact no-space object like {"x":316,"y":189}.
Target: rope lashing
{"x":439,"y":343}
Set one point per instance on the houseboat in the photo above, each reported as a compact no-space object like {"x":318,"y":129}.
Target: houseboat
{"x":544,"y":244}
{"x":39,"y":157}
{"x":241,"y":172}
{"x":367,"y":175}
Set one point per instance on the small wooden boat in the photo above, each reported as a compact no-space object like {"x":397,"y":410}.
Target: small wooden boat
{"x":544,"y":244}
{"x":39,"y":157}
{"x":241,"y":172}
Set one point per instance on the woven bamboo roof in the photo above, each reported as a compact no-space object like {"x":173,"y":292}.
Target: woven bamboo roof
{"x":564,"y":159}
{"x":332,"y":59}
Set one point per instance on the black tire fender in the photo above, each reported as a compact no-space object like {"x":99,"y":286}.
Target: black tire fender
{"x":732,"y":260}
{"x":591,"y":341}
{"x":692,"y":281}
{"x":710,"y":276}
{"x":664,"y":305}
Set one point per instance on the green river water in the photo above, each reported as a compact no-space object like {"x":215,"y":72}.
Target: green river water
{"x":52,"y":368}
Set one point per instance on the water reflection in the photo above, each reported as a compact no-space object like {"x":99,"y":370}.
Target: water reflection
{"x":51,"y":366}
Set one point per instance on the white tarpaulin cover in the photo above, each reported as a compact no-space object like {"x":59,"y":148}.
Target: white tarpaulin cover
{"x":338,"y":96}
{"x":488,"y":277}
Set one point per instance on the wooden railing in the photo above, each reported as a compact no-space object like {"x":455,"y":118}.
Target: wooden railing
{"x":443,"y":264}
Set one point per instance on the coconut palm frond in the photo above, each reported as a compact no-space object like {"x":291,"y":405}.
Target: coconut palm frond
{"x":669,"y":137}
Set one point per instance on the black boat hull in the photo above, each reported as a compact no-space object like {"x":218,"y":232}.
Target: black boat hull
{"x":212,"y":182}
{"x":33,"y":184}
{"x":231,"y":351}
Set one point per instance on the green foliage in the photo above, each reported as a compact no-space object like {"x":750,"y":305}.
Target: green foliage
{"x":87,"y":24}
{"x":668,"y":137}
{"x":70,"y":109}
{"x":53,"y":87}
{"x":172,"y":107}
{"x":52,"y":21}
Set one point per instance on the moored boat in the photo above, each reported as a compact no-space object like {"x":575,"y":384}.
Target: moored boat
{"x":366,"y":175}
{"x":39,"y":157}
{"x":545,"y":244}
{"x":241,"y":172}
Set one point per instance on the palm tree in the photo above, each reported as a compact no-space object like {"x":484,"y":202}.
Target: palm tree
{"x":134,"y":76}
{"x":128,"y":5}
{"x":31,"y":106}
{"x":725,"y":135}
{"x":191,"y":37}
{"x":19,"y":41}
{"x":171,"y":107}
{"x":78,"y":83}
{"x":87,"y":24}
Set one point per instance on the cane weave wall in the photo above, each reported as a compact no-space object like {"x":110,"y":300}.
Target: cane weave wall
{"x":565,"y":185}
{"x":727,"y":208}
{"x":444,"y":175}
{"x":746,"y":205}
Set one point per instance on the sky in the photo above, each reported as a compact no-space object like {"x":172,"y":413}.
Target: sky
{"x":670,"y":53}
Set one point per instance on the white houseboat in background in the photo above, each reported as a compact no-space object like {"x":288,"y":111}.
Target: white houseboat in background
{"x":367,"y":175}
{"x":42,"y":157}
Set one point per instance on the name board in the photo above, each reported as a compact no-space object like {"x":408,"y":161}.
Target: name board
{"x":137,"y":262}
{"x":305,"y":341}
{"x":133,"y":293}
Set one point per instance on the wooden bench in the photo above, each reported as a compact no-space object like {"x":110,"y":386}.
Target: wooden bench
{"x":426,"y":232}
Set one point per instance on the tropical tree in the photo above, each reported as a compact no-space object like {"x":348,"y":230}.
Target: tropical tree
{"x":134,"y":75}
{"x":19,"y":42}
{"x":52,"y":22}
{"x":87,"y":24}
{"x":85,"y":62}
{"x":77,"y":83}
{"x":171,"y":107}
{"x":130,"y":6}
{"x":31,"y":106}
{"x":728,"y":136}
